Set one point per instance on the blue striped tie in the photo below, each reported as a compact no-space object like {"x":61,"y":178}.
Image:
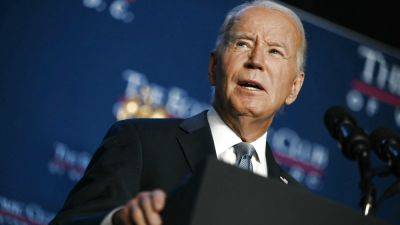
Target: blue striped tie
{"x":244,"y":151}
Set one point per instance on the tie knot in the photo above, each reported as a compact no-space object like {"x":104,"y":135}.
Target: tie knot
{"x":244,"y":149}
{"x":244,"y":152}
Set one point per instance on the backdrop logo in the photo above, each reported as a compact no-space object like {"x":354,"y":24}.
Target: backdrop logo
{"x":379,"y":84}
{"x":305,"y":160}
{"x":14,"y":212}
{"x":118,"y":9}
{"x":68,"y":161}
{"x":148,"y":100}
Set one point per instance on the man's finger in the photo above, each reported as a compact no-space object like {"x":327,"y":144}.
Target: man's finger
{"x":136,"y":214}
{"x":121,"y":217}
{"x":158,"y":199}
{"x":151,"y":216}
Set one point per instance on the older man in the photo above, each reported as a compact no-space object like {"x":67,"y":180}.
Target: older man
{"x":256,"y":68}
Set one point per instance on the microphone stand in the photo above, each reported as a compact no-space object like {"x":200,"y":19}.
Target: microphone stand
{"x":368,"y":190}
{"x":369,"y":201}
{"x":357,"y":146}
{"x":390,"y":191}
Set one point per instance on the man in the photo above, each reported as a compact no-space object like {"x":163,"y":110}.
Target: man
{"x":256,"y":68}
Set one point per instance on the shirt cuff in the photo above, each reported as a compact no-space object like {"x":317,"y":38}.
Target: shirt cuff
{"x":108,"y":219}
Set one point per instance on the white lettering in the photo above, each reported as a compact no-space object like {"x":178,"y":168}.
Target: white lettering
{"x":385,"y":78}
{"x":355,"y":100}
{"x":372,"y":57}
{"x":288,"y":142}
{"x":394,"y":80}
{"x":135,"y":81}
{"x":372,"y":107}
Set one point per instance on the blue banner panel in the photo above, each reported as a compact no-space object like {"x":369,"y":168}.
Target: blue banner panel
{"x":69,"y":69}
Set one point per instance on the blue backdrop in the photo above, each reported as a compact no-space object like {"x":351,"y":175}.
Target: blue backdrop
{"x":69,"y":69}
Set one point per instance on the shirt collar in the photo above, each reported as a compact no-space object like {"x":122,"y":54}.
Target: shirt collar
{"x":224,"y":137}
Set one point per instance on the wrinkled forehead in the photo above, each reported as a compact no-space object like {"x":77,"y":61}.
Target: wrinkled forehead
{"x":268,"y":24}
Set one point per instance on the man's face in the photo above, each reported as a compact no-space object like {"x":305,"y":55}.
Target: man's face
{"x":257,"y":72}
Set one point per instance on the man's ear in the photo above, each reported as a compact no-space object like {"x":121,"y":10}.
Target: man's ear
{"x":295,"y":90}
{"x":212,"y":65}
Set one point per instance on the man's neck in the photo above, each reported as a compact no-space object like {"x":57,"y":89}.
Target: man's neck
{"x":246,"y":127}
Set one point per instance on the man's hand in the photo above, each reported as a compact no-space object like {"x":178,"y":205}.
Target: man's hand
{"x":144,"y":209}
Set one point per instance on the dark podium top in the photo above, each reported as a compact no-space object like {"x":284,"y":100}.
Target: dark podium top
{"x":219,"y":194}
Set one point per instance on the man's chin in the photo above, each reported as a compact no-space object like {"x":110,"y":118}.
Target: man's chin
{"x":246,"y":107}
{"x":249,"y":110}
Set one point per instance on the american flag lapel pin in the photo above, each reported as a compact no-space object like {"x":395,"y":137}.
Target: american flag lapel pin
{"x":284,"y":180}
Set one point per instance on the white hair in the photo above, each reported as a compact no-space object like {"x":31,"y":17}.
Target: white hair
{"x":233,"y":14}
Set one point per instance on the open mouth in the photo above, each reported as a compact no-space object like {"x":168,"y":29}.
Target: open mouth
{"x":251,"y":85}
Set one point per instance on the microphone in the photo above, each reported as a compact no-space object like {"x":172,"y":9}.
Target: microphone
{"x":343,"y":127}
{"x":356,"y":146}
{"x":386,"y":144}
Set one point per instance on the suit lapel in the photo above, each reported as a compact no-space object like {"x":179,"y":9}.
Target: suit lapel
{"x":197,"y":143}
{"x":275,"y":171}
{"x":196,"y":140}
{"x":272,"y":167}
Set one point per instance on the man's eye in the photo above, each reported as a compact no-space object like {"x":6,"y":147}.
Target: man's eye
{"x":275,"y":52}
{"x":241,"y":44}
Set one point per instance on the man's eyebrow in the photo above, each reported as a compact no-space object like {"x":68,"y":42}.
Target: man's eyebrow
{"x":277,"y":44}
{"x":235,"y":36}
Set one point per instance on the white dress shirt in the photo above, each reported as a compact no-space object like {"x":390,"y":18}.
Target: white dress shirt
{"x":224,"y":140}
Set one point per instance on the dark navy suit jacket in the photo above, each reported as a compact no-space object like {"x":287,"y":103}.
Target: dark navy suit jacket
{"x":142,"y":154}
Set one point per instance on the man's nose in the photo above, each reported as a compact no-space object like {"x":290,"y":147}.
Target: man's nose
{"x":256,"y":59}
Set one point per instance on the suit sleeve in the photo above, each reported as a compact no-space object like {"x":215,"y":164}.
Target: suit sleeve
{"x":110,"y":180}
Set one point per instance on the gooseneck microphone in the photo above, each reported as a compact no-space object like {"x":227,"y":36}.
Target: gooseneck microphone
{"x":386,"y":144}
{"x":355,"y":145}
{"x":343,"y":127}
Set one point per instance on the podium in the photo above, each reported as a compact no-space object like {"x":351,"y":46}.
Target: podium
{"x":221,"y":194}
